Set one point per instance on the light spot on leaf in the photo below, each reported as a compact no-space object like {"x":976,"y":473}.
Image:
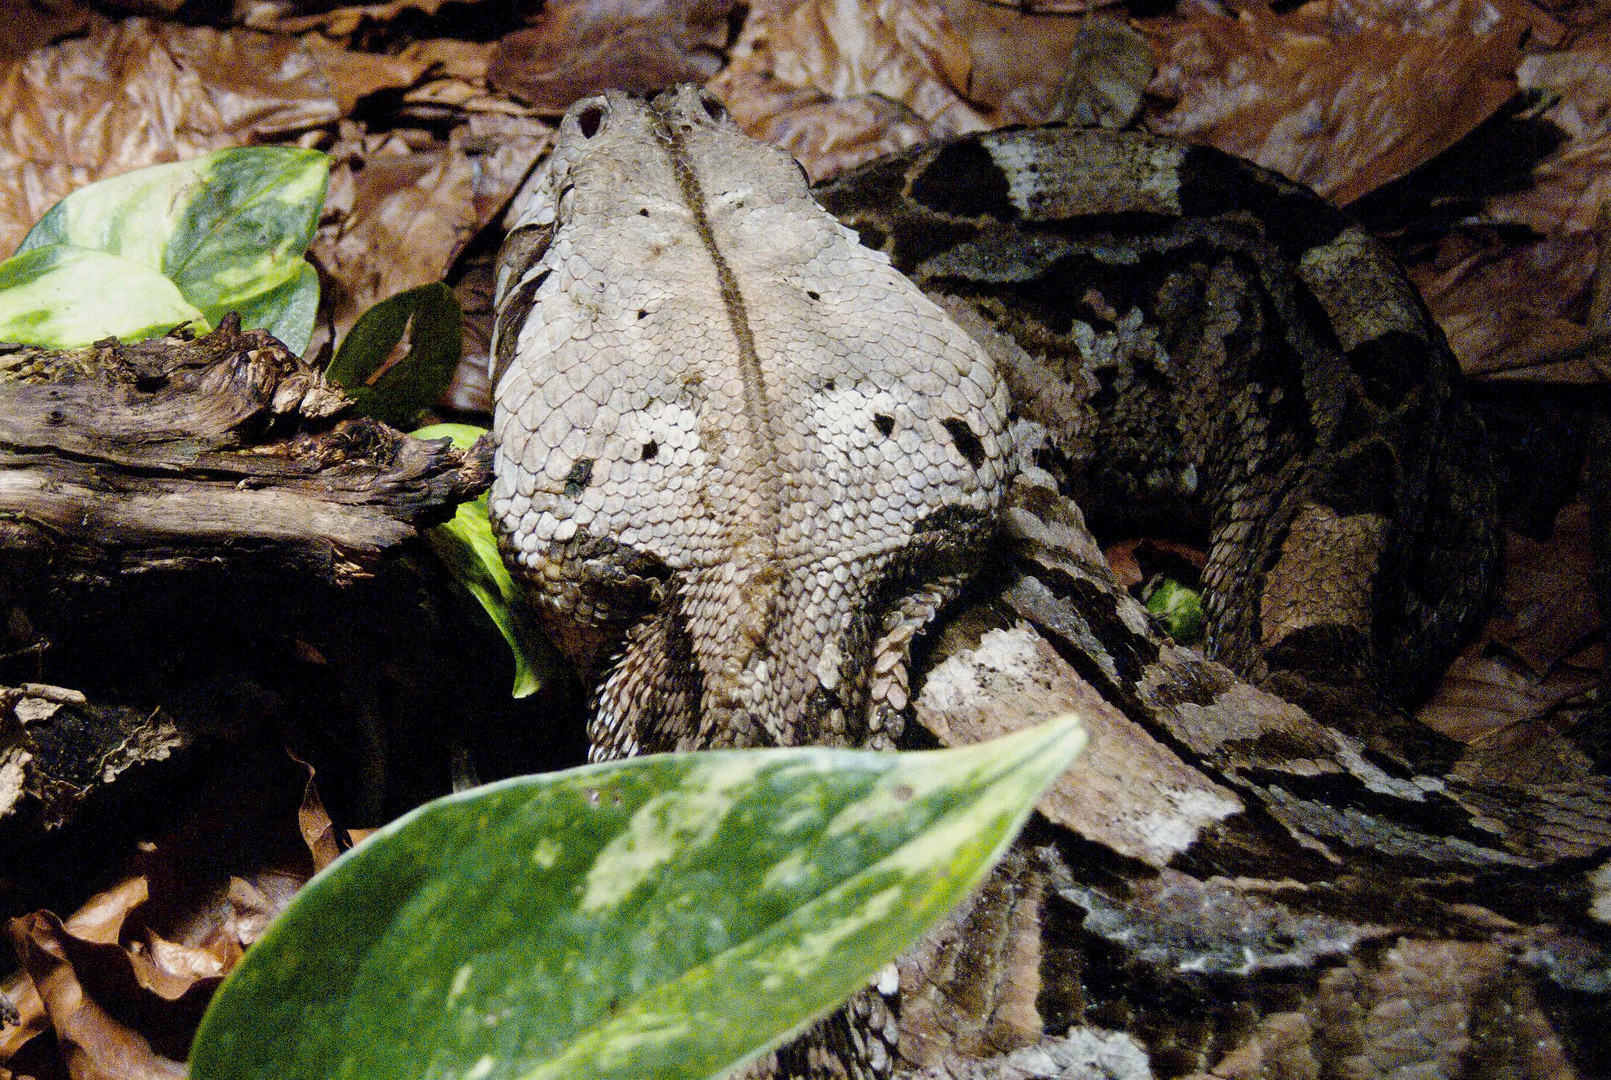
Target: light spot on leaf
{"x":461,"y":979}
{"x":546,"y":853}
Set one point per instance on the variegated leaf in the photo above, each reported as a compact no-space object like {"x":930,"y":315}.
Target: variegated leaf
{"x":227,"y":231}
{"x":666,"y":917}
{"x":61,"y":296}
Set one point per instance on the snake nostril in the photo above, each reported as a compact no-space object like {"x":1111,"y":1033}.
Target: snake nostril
{"x":590,"y":120}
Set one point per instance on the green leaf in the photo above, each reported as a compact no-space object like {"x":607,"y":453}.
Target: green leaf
{"x":666,"y":917}
{"x":227,"y":230}
{"x":1179,"y":609}
{"x":287,"y":311}
{"x":45,"y":299}
{"x":468,"y":549}
{"x":243,"y":233}
{"x":430,"y":315}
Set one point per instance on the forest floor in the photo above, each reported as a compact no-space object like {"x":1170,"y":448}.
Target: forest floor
{"x":1473,"y":136}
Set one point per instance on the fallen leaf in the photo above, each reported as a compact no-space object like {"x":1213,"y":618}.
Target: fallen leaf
{"x":124,"y":979}
{"x":1342,"y":108}
{"x":300,"y":16}
{"x":34,"y":23}
{"x":1572,"y":184}
{"x":580,"y":47}
{"x":1508,"y":309}
{"x":1547,"y":605}
{"x":837,"y":84}
{"x":139,"y":93}
{"x":352,"y":75}
{"x":401,"y":214}
{"x":1481,"y":697}
{"x":1030,"y":67}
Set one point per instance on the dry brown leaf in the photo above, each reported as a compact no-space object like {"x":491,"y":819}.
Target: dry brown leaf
{"x":300,"y":16}
{"x":318,"y":831}
{"x":1342,"y":108}
{"x":1441,"y":18}
{"x":28,"y":1020}
{"x":1547,"y":607}
{"x":96,"y":1046}
{"x":452,"y":58}
{"x":1509,"y":309}
{"x":1572,"y":184}
{"x":353,"y":75}
{"x":1029,"y":68}
{"x":839,"y":84}
{"x":138,"y":93}
{"x":1133,"y":561}
{"x":401,"y":213}
{"x":579,"y":47}
{"x":31,"y":24}
{"x":151,"y":949}
{"x":1481,"y":697}
{"x":825,"y":135}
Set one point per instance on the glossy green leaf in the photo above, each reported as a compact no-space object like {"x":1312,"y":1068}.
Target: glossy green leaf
{"x":227,"y":231}
{"x":666,"y":917}
{"x":45,"y":299}
{"x":431,"y":317}
{"x":468,"y":549}
{"x":287,"y":311}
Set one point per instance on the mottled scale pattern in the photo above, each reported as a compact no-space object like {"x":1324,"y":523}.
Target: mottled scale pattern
{"x":1219,"y":356}
{"x":739,"y":457}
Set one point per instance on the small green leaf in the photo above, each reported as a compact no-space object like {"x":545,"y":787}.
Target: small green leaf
{"x":1179,"y":609}
{"x":669,"y":916}
{"x":63,"y":296}
{"x":468,"y":549}
{"x":227,"y":229}
{"x":431,"y":316}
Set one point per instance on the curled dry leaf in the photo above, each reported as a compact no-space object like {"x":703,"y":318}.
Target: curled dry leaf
{"x":579,"y":47}
{"x":123,"y":980}
{"x":1341,"y":108}
{"x":403,"y":211}
{"x":96,"y":1045}
{"x":839,"y":84}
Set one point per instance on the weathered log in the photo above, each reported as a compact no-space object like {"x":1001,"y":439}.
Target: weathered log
{"x":167,"y":509}
{"x":226,"y":451}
